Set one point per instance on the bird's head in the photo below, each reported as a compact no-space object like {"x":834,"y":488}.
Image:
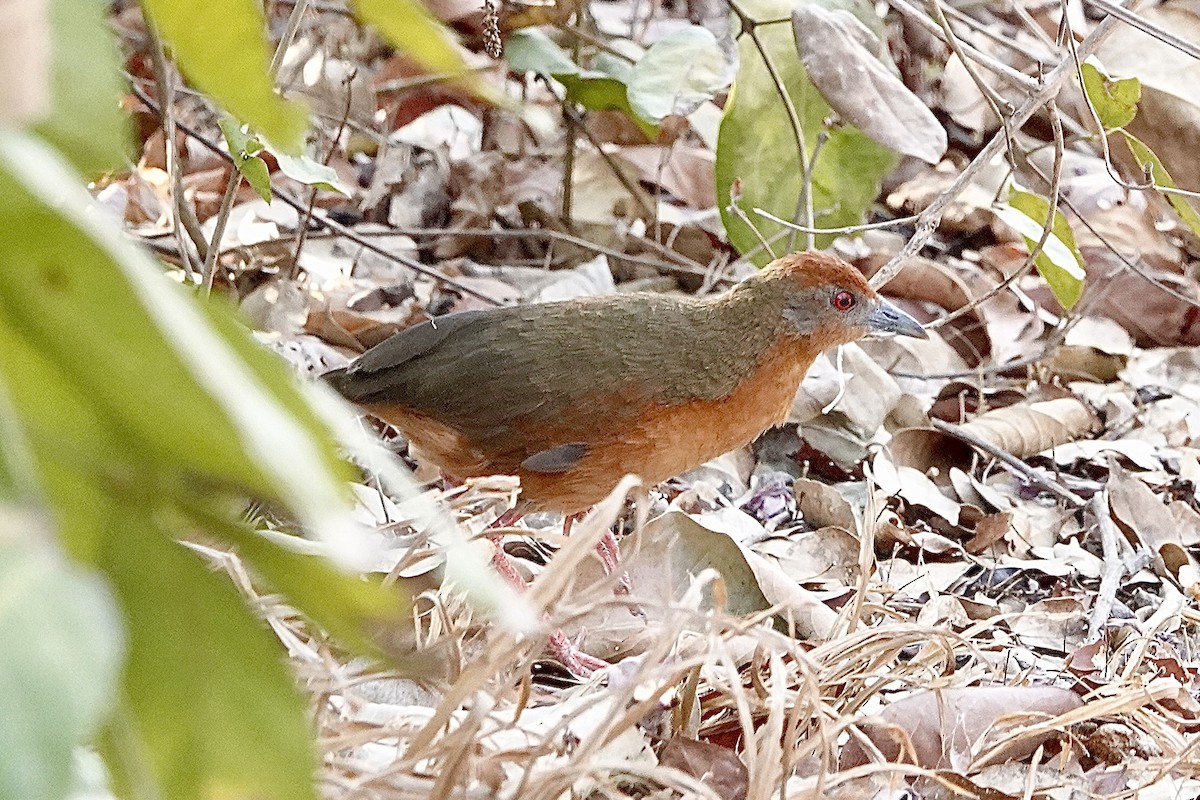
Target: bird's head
{"x":826,"y":300}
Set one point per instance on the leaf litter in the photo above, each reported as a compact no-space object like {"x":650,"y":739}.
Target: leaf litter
{"x":974,"y":576}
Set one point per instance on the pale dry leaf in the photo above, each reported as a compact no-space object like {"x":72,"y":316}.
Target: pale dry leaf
{"x":961,"y":98}
{"x":671,"y":552}
{"x":599,"y":196}
{"x":907,"y":579}
{"x":944,"y":728}
{"x":822,"y":505}
{"x":827,"y":555}
{"x":1050,"y":781}
{"x":686,"y":172}
{"x":913,"y":486}
{"x":716,"y":767}
{"x":944,"y":611}
{"x":871,"y":394}
{"x":1142,"y":453}
{"x":1148,"y":522}
{"x":1057,"y":625}
{"x":857,"y":85}
{"x":1028,"y":429}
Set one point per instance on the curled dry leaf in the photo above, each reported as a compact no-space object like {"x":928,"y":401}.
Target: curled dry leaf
{"x":951,"y":727}
{"x":363,"y":320}
{"x":834,"y":48}
{"x":959,"y":400}
{"x":718,"y":768}
{"x":671,"y":553}
{"x":924,"y":449}
{"x":914,"y":487}
{"x":924,"y":280}
{"x":1028,"y":429}
{"x":1147,"y":522}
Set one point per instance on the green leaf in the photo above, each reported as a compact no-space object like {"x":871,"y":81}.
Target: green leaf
{"x":677,"y":74}
{"x":311,"y":172}
{"x":59,"y":663}
{"x":530,"y":50}
{"x":756,"y":146}
{"x":18,"y":468}
{"x":1149,"y":161}
{"x":86,"y":122}
{"x":413,"y":31}
{"x":208,"y":401}
{"x":213,"y":710}
{"x":1115,"y":101}
{"x":344,"y":605}
{"x":220,"y":46}
{"x":1059,"y":261}
{"x":73,"y":451}
{"x":244,"y":149}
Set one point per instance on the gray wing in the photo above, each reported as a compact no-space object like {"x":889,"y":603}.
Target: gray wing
{"x":495,"y":374}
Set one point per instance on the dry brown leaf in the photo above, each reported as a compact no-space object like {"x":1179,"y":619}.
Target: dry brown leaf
{"x":363,"y":320}
{"x":1155,"y":316}
{"x":1148,"y":523}
{"x":1026,"y":430}
{"x":833,"y":45}
{"x":1056,"y":625}
{"x":924,"y":449}
{"x":926,"y":281}
{"x":948,"y":728}
{"x":686,"y":172}
{"x":717,"y":767}
{"x":822,"y":505}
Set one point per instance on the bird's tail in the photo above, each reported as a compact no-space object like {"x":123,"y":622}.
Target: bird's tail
{"x":336,"y":378}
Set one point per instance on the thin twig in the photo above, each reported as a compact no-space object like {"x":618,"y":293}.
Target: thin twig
{"x":219,"y":223}
{"x":749,"y":27}
{"x":1017,"y":79}
{"x":235,"y":177}
{"x":321,"y":219}
{"x":1114,"y":567}
{"x":845,"y":229}
{"x":289,"y":33}
{"x":1017,"y":464}
{"x":931,"y":216}
{"x":302,"y":229}
{"x":183,"y":218}
{"x":1147,"y":27}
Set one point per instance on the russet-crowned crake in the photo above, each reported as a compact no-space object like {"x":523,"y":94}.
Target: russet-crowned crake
{"x":570,"y":396}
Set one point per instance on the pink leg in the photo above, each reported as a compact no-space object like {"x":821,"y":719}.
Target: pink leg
{"x":500,"y":560}
{"x":608,"y":550}
{"x":575,"y":660}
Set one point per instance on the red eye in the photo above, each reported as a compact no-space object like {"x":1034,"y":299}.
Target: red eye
{"x":843,"y":301}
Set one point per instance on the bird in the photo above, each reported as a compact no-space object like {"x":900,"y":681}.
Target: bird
{"x":570,"y":396}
